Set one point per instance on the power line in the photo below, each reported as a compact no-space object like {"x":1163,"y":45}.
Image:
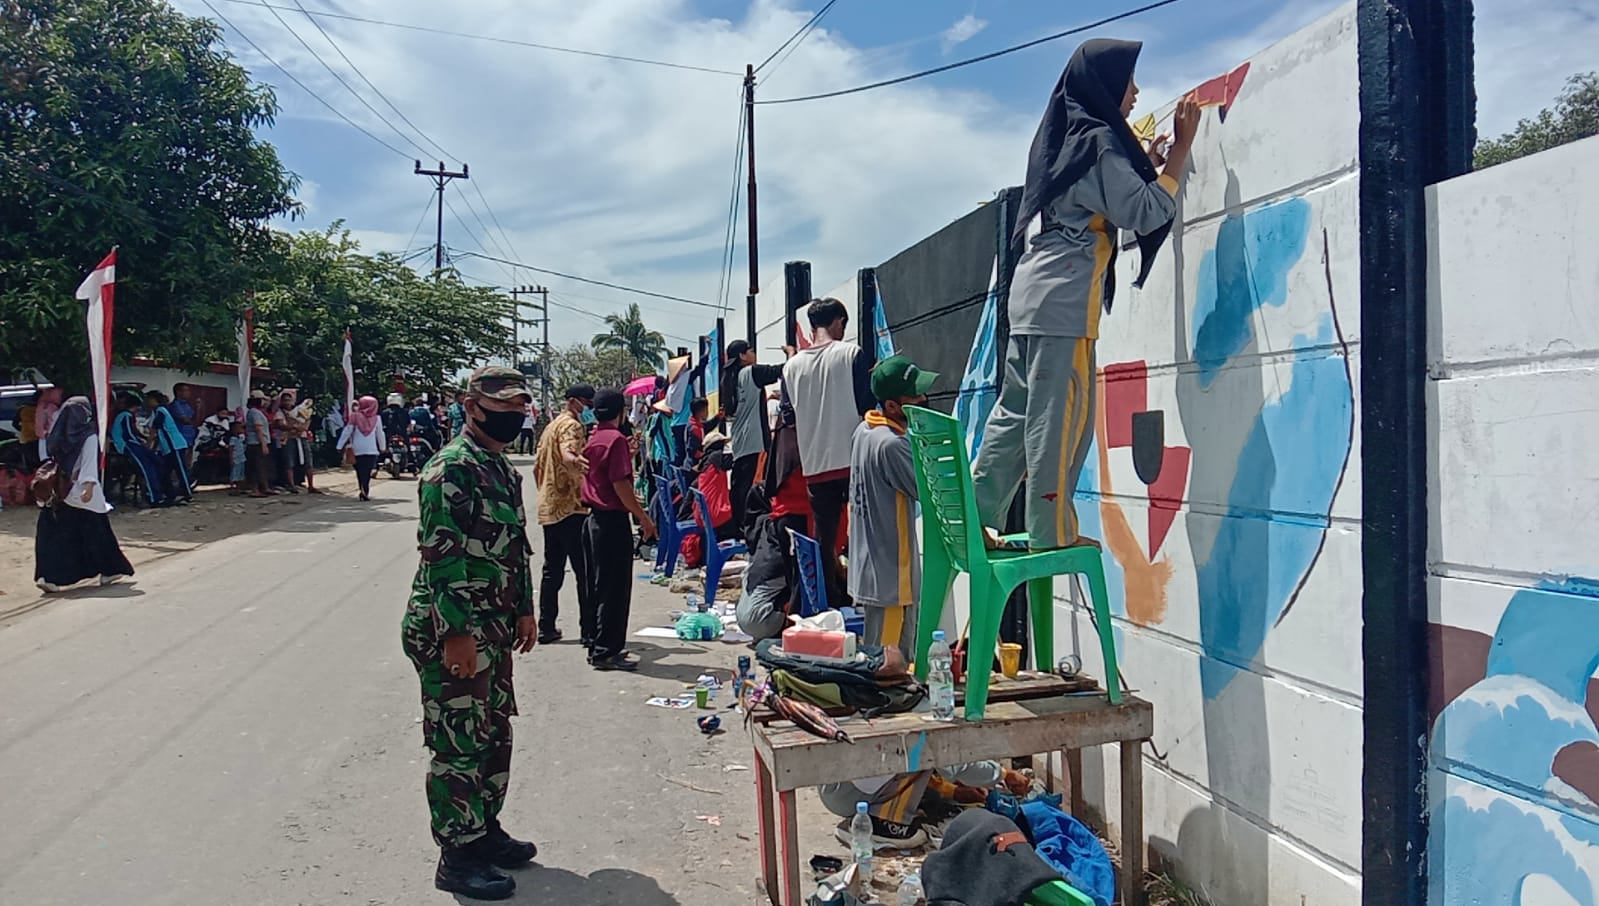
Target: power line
{"x":586,"y":313}
{"x":616,"y":286}
{"x":419,"y":220}
{"x":375,"y":90}
{"x":341,"y":80}
{"x":480,"y":244}
{"x":496,"y":218}
{"x":803,"y":29}
{"x":987,"y":56}
{"x":724,"y":288}
{"x":303,"y":87}
{"x":494,"y":38}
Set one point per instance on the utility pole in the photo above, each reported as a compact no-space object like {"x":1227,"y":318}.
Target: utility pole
{"x":544,"y":347}
{"x":755,"y":277}
{"x":440,"y":177}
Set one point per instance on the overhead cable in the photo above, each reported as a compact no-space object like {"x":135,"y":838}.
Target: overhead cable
{"x":303,"y":87}
{"x":494,"y":38}
{"x":803,"y":30}
{"x":616,"y":286}
{"x":978,"y":59}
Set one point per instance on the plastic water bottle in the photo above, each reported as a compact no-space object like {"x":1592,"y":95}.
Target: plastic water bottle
{"x":941,"y":677}
{"x":695,"y":603}
{"x":910,"y":891}
{"x":860,"y":842}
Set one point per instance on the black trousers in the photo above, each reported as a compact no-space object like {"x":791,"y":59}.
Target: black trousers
{"x":365,"y":465}
{"x":563,"y":543}
{"x":743,"y":480}
{"x":608,"y":548}
{"x":790,"y":562}
{"x":828,"y":502}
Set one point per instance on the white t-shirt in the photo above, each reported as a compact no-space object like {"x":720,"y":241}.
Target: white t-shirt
{"x":86,"y":476}
{"x":363,"y":444}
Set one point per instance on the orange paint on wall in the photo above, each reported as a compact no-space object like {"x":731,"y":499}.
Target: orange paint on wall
{"x":1145,"y":581}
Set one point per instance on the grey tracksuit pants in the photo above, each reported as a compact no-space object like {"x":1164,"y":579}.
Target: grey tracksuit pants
{"x":1040,"y":430}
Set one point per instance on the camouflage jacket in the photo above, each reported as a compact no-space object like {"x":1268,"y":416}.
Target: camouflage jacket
{"x":474,"y":576}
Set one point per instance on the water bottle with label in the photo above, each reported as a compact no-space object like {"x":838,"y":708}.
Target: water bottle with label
{"x":941,"y":677}
{"x":861,"y":848}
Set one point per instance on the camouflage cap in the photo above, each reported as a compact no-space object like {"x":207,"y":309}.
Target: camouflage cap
{"x":499,"y":382}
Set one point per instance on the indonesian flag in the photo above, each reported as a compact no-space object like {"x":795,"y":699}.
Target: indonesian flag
{"x":349,"y":376}
{"x":246,"y":354}
{"x":99,"y":291}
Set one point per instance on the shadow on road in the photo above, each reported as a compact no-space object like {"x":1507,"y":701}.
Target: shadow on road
{"x":603,"y":888}
{"x":651,"y":662}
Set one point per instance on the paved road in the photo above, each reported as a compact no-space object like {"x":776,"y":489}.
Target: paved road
{"x":240,"y":726}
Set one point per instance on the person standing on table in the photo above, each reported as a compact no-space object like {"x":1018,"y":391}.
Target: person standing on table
{"x":608,"y":533}
{"x":471,"y":606}
{"x":558,"y":469}
{"x":743,"y":401}
{"x":1089,"y":178}
{"x":829,"y":385}
{"x":885,"y":568}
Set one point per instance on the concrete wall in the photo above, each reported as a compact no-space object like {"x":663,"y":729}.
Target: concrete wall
{"x":163,"y":379}
{"x":1225,"y":485}
{"x":1514,"y":411}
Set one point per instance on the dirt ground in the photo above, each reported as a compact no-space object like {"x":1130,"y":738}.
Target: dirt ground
{"x":148,"y":535}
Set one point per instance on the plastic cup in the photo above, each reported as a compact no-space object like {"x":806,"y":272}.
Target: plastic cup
{"x":702,"y":696}
{"x":1010,"y":659}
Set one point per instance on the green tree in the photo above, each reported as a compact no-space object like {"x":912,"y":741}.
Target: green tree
{"x":584,"y":364}
{"x":629,"y":333}
{"x":1575,"y":115}
{"x":401,"y":323}
{"x":123,"y":122}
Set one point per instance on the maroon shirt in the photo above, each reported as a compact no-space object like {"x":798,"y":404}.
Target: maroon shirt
{"x":610,"y":461}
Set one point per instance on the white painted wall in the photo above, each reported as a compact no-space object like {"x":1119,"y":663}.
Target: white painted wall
{"x":1514,"y":409}
{"x":163,"y":379}
{"x":1241,"y":623}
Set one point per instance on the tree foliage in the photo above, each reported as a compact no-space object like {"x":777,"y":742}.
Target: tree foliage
{"x":1575,"y":115}
{"x":401,"y":323}
{"x":597,"y":367}
{"x":628,"y":332}
{"x":124,"y":123}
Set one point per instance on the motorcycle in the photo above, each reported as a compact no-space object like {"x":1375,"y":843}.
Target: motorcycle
{"x":213,"y":461}
{"x":397,"y":459}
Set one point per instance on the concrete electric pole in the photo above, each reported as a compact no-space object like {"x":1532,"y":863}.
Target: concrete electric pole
{"x":440,"y":177}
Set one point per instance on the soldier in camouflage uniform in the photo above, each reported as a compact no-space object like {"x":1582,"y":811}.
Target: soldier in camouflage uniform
{"x":471,"y":606}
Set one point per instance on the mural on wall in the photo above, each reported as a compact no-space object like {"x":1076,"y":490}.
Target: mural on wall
{"x":1268,"y":455}
{"x":1517,"y":741}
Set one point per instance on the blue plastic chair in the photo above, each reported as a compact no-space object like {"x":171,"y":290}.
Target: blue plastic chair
{"x":813,"y":591}
{"x":671,"y":529}
{"x":716,"y":553}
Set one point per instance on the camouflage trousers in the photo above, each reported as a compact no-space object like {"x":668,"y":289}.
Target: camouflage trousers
{"x":466,"y":724}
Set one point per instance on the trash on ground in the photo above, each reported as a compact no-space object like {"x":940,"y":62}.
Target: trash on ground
{"x":712,"y":820}
{"x":675,"y":704}
{"x":656,"y":632}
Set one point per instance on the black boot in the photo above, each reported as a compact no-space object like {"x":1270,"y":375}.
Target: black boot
{"x":464,"y":870}
{"x":505,"y":851}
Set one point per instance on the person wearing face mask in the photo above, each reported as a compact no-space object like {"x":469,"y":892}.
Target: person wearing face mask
{"x":471,"y":606}
{"x":558,"y":470}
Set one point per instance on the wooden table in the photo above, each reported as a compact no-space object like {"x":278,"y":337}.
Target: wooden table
{"x":788,"y":759}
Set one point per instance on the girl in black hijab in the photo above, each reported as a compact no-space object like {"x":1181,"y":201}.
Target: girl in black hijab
{"x":74,"y":540}
{"x":1087,"y":179}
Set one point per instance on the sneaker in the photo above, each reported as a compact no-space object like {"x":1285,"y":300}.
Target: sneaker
{"x":48,"y":588}
{"x":887,"y":834}
{"x":465,"y":871}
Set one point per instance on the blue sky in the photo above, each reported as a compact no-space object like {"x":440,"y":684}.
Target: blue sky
{"x":622,"y":172}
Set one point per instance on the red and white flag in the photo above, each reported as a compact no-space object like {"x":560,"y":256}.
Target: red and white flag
{"x":99,"y":290}
{"x":246,"y":355}
{"x":349,"y":377}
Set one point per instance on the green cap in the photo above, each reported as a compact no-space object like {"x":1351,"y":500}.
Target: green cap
{"x":498,"y":382}
{"x":897,"y":377}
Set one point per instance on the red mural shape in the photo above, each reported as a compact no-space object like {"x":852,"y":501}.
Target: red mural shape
{"x":1222,"y":90}
{"x":1126,"y":394}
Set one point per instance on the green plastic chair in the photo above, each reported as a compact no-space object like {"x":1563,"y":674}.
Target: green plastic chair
{"x":952,"y":541}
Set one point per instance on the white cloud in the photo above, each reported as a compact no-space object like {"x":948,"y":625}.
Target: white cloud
{"x":622,"y":172}
{"x":964,"y":30}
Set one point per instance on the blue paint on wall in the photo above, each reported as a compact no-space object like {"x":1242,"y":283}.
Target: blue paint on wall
{"x":1281,"y":493}
{"x":1496,"y":745}
{"x":1248,"y":269}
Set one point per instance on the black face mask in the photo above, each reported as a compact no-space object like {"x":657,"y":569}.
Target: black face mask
{"x":502,"y":426}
